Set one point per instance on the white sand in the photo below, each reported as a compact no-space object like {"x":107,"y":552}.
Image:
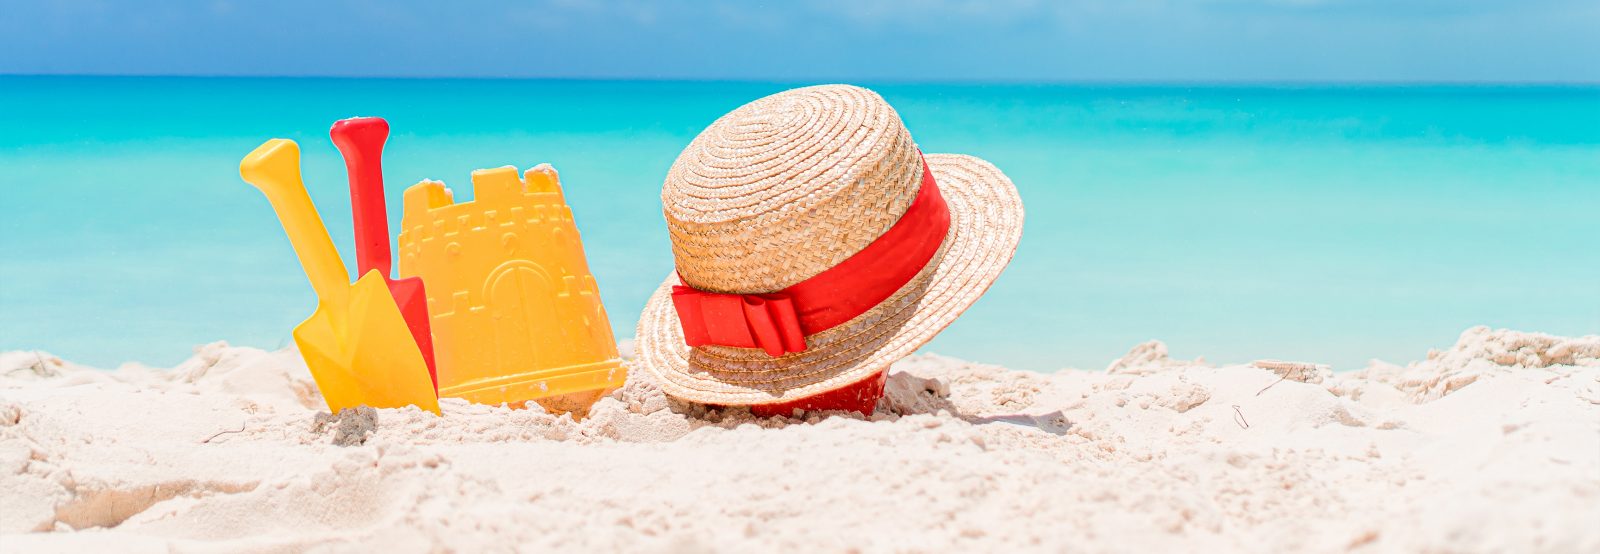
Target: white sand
{"x":1492,"y":445}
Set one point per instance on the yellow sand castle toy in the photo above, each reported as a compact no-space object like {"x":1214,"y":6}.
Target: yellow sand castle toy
{"x":516,"y":315}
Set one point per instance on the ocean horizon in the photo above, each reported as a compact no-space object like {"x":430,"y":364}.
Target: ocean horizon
{"x":1319,"y":222}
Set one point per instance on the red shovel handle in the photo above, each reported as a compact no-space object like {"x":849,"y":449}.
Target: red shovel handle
{"x":360,"y":140}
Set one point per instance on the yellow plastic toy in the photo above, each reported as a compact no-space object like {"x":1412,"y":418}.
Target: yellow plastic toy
{"x":356,"y":343}
{"x":516,"y":315}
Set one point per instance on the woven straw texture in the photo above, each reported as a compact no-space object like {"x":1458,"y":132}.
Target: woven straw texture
{"x":786,"y":187}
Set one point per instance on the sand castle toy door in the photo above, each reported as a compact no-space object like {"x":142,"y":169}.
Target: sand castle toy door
{"x":516,"y":314}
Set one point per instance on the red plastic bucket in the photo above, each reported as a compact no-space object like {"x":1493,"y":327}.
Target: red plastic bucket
{"x":860,"y":397}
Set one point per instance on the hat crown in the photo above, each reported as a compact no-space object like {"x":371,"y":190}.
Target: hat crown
{"x":787,"y":186}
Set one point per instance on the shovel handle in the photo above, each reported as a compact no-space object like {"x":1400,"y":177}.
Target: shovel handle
{"x":274,"y":167}
{"x":360,"y":140}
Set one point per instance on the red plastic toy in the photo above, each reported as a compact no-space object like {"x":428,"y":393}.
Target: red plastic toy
{"x":860,"y":397}
{"x":360,"y":140}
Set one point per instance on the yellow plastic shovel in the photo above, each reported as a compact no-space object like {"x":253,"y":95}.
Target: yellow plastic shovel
{"x":356,"y":344}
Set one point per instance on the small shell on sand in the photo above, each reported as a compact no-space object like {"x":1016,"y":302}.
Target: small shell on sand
{"x":1304,"y":372}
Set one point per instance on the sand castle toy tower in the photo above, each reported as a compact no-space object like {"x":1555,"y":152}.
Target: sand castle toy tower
{"x":516,"y":315}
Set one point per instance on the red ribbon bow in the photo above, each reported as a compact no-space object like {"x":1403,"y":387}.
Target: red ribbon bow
{"x":765,"y":321}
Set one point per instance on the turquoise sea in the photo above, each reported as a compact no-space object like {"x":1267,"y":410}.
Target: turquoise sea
{"x":1325,"y":223}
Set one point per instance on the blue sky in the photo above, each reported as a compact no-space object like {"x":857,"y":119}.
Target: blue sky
{"x":1383,"y":40}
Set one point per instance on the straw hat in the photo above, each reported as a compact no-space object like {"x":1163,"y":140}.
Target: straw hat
{"x":785,"y":188}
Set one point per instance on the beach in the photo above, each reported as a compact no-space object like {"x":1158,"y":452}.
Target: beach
{"x":1490,"y":444}
{"x":809,"y":277}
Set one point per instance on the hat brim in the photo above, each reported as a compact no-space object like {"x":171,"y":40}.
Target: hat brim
{"x":985,"y":226}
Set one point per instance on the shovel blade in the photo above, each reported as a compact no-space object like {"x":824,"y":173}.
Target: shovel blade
{"x":373,"y":360}
{"x":413,"y":302}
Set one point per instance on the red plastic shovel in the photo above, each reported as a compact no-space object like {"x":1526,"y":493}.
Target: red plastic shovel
{"x":360,"y":140}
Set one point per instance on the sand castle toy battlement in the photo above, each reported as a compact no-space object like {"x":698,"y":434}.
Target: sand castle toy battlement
{"x":516,"y":314}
